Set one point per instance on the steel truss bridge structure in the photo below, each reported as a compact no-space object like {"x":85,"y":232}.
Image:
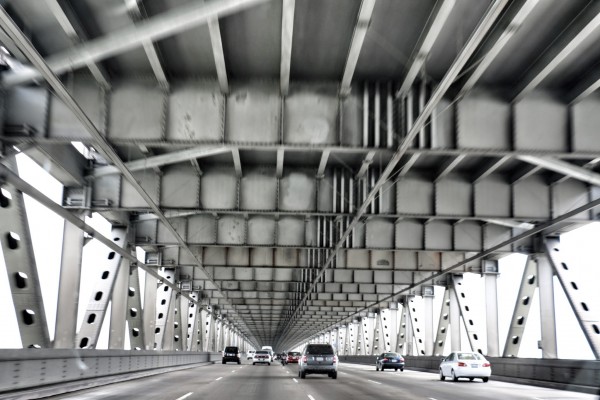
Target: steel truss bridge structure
{"x":300,"y":170}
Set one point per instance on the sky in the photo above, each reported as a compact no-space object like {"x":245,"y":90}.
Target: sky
{"x":581,"y":248}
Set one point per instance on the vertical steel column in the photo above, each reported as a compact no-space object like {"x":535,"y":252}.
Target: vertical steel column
{"x":20,"y":266}
{"x":212,"y":332}
{"x":379,"y":345}
{"x":201,"y":328}
{"x":369,"y":333}
{"x":377,"y":118}
{"x":185,"y":320}
{"x":366,"y":115}
{"x":582,"y":307}
{"x":68,"y":287}
{"x":360,"y":337}
{"x":163,"y":306}
{"x":178,"y":319}
{"x":150,"y":296}
{"x":410,"y":330}
{"x":521,"y":310}
{"x":118,"y":307}
{"x":390,"y":116}
{"x":428,"y":295}
{"x":194,"y":324}
{"x":169,"y":342}
{"x":466,"y":313}
{"x":444,"y":321}
{"x":455,"y":344}
{"x":134,"y":310}
{"x":342,"y":332}
{"x":490,"y":274}
{"x":547,"y":311}
{"x":393,"y":326}
{"x":401,"y":338}
{"x":89,"y":332}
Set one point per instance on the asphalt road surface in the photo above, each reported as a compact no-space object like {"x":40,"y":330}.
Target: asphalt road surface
{"x":277,"y":382}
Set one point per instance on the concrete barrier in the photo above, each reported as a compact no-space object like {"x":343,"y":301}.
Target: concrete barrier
{"x":577,"y":375}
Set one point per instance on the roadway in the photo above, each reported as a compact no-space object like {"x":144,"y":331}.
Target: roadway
{"x":277,"y":382}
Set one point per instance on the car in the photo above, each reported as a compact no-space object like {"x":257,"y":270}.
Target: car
{"x":389,"y":361}
{"x":318,"y":359}
{"x":463,"y":364}
{"x":250,"y":354}
{"x":231,"y":353}
{"x":261,"y":357}
{"x":293,"y":357}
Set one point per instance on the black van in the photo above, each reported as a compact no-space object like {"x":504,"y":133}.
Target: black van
{"x":231,"y":353}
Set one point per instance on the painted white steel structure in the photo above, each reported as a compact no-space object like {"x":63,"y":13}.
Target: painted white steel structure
{"x":293,"y":180}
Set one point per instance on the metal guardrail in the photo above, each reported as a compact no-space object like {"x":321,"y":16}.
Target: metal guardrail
{"x":43,"y":370}
{"x":576,"y":375}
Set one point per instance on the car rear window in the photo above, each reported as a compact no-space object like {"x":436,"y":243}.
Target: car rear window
{"x":469,"y":356}
{"x":294,"y":353}
{"x":231,"y":349}
{"x":319,"y":349}
{"x":262,"y":352}
{"x":390,"y":355}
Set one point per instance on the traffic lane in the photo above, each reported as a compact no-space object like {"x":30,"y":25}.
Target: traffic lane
{"x":168,"y":385}
{"x":425,"y":385}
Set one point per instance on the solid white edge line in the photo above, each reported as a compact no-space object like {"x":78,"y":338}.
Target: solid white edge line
{"x":184,"y":396}
{"x":310,"y":397}
{"x":219,"y":378}
{"x":379,"y":383}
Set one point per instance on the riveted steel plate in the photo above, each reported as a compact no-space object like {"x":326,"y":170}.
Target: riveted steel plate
{"x":231,"y":230}
{"x":201,"y":229}
{"x":492,"y":197}
{"x":196,"y":113}
{"x":381,"y":259}
{"x":438,"y":235}
{"x":261,"y":230}
{"x":258,"y":189}
{"x":218,"y":188}
{"x":468,"y":236}
{"x":261,"y":257}
{"x":63,"y":123}
{"x":531,"y":198}
{"x":357,"y":258}
{"x":27,"y":106}
{"x":311,"y":115}
{"x":137,"y":111}
{"x":414,"y":195}
{"x":494,"y":235}
{"x":484,"y":122}
{"x":165,"y":235}
{"x":253,"y":114}
{"x":238,"y":256}
{"x":585,"y":117}
{"x":541,"y":123}
{"x":443,"y":130}
{"x":297,"y":191}
{"x":569,"y":195}
{"x":352,"y":119}
{"x":379,"y":233}
{"x":290,"y":231}
{"x":286,"y":257}
{"x":410,"y":234}
{"x":453,"y":196}
{"x":180,"y":186}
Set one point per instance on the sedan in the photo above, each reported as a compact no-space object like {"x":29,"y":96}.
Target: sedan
{"x":390,"y":361}
{"x":462,"y":364}
{"x":261,"y":357}
{"x":293,"y":356}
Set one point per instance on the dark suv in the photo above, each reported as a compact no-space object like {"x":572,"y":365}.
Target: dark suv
{"x":318,"y":359}
{"x":231,"y":353}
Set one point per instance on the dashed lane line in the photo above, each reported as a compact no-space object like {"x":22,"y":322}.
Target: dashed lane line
{"x":184,"y":396}
{"x":310,"y":397}
{"x":295,"y":380}
{"x":219,"y":378}
{"x":379,"y":383}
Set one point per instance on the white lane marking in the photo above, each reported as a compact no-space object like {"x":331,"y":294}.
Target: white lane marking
{"x":310,"y":397}
{"x":287,"y":372}
{"x":184,"y":396}
{"x":345,"y":373}
{"x":219,"y":378}
{"x":431,"y":398}
{"x":294,"y":379}
{"x":379,"y":383}
{"x":234,"y":371}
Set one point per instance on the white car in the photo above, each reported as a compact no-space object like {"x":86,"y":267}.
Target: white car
{"x":261,"y":357}
{"x":463,"y":364}
{"x":250,"y":354}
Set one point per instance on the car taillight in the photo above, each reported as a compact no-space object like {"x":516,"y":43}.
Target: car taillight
{"x":486,"y":365}
{"x":304,"y":359}
{"x":384,"y":359}
{"x":462,"y":364}
{"x":334,"y":359}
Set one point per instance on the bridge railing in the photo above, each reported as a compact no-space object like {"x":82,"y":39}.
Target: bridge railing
{"x":577,"y":375}
{"x":43,"y":370}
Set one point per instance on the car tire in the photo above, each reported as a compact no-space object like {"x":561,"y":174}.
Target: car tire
{"x":401,"y":369}
{"x":382,"y":368}
{"x":471,"y":379}
{"x":334,"y":375}
{"x":377,"y":367}
{"x":454,"y":377}
{"x":223,"y":362}
{"x":269,"y":363}
{"x":253,"y":363}
{"x":396,"y":369}
{"x":442,"y":377}
{"x":485,"y":379}
{"x":239,"y":362}
{"x":302,"y":375}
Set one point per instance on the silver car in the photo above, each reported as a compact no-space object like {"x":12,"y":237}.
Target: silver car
{"x":318,"y":359}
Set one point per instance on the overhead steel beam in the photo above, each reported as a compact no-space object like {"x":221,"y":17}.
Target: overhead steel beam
{"x":217,"y":47}
{"x":578,"y":32}
{"x":101,"y":143}
{"x":585,"y":87}
{"x":358,"y":37}
{"x":492,"y":13}
{"x":279,"y":167}
{"x":163,"y":159}
{"x":449,"y":166}
{"x":138,"y":13}
{"x":438,"y":17}
{"x":508,"y":26}
{"x":237,"y":162}
{"x":72,"y":27}
{"x":490,"y":168}
{"x":159,"y":27}
{"x":287,"y":32}
{"x":564,"y":168}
